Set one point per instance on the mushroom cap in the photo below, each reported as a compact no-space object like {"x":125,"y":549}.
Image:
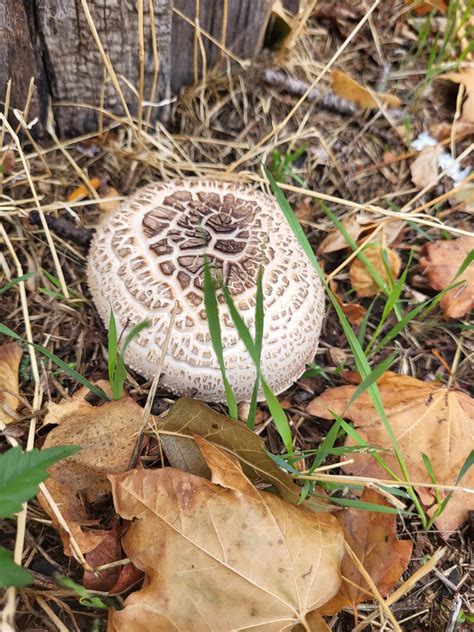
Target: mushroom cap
{"x":150,"y":252}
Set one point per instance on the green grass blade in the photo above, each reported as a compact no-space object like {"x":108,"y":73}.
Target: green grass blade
{"x":112,"y":347}
{"x":16,"y":281}
{"x":212,"y":312}
{"x":359,"y":357}
{"x":58,"y":362}
{"x":279,"y":416}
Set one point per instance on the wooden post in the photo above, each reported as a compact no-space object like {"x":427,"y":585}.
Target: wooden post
{"x":54,"y":42}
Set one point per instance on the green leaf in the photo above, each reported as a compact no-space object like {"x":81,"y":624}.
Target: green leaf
{"x":10,"y":573}
{"x":22,"y":472}
{"x":85,"y":598}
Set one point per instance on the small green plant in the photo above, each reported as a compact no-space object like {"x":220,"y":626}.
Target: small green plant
{"x":254,"y":349}
{"x":85,"y":598}
{"x":282,"y":165}
{"x":6,"y":331}
{"x":212,"y":312}
{"x":20,"y":475}
{"x":116,"y":362}
{"x":58,"y":294}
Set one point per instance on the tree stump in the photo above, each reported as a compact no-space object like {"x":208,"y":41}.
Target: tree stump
{"x":53,"y":41}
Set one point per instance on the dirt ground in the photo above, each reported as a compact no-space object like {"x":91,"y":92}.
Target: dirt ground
{"x":225,"y":127}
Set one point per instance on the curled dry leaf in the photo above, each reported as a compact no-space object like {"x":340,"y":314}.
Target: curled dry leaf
{"x":425,"y":418}
{"x":190,"y":417}
{"x":116,"y":578}
{"x":106,"y":435}
{"x":197,"y":542}
{"x":346,"y":87}
{"x":361,"y":279}
{"x":372,"y":536}
{"x":424,"y":169}
{"x":10,"y":357}
{"x":353,"y":311}
{"x":441,"y":261}
{"x":466,"y":78}
{"x":354,"y":225}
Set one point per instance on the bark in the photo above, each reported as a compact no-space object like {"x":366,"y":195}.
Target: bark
{"x":51,"y":40}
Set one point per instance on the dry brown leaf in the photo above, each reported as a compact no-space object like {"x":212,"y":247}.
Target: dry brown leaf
{"x":347,"y":88}
{"x":425,"y":418}
{"x":361,"y":279}
{"x":355,"y":225}
{"x":425,"y":8}
{"x":372,"y":536}
{"x":424,"y":169}
{"x":81,"y":192}
{"x":10,"y":357}
{"x":353,"y":311}
{"x":221,"y":555}
{"x":7,"y":162}
{"x":106,"y":435}
{"x":444,"y":131}
{"x":117,"y":578}
{"x":441,"y":261}
{"x":466,"y":78}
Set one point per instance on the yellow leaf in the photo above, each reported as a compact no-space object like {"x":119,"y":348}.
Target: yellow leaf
{"x":222,"y":555}
{"x":346,"y":87}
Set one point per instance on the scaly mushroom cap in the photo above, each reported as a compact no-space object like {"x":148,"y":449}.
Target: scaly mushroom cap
{"x":150,"y":252}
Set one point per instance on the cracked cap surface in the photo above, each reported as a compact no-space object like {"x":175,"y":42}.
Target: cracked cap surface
{"x":150,"y":251}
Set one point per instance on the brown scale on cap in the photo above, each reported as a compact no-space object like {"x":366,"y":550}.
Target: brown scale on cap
{"x":151,"y":251}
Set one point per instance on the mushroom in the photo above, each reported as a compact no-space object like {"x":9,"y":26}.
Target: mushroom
{"x":150,"y":252}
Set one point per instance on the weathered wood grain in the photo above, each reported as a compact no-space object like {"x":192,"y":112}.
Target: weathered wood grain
{"x":17,"y":59}
{"x":52,"y":40}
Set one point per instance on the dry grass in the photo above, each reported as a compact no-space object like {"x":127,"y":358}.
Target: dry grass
{"x":228,"y":125}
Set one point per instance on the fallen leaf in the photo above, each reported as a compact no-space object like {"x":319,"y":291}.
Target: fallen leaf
{"x":444,"y":131}
{"x":197,"y":542}
{"x":7,"y":162}
{"x":106,"y":435}
{"x":441,"y":261}
{"x":361,"y":279}
{"x":425,"y":8}
{"x":117,"y":578}
{"x":466,"y":78}
{"x":424,"y":169}
{"x":82,"y":191}
{"x":354,"y":225}
{"x":106,"y":205}
{"x":353,"y":311}
{"x":372,"y":536}
{"x":347,"y":88}
{"x":10,"y":357}
{"x":190,"y":417}
{"x":425,"y":417}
